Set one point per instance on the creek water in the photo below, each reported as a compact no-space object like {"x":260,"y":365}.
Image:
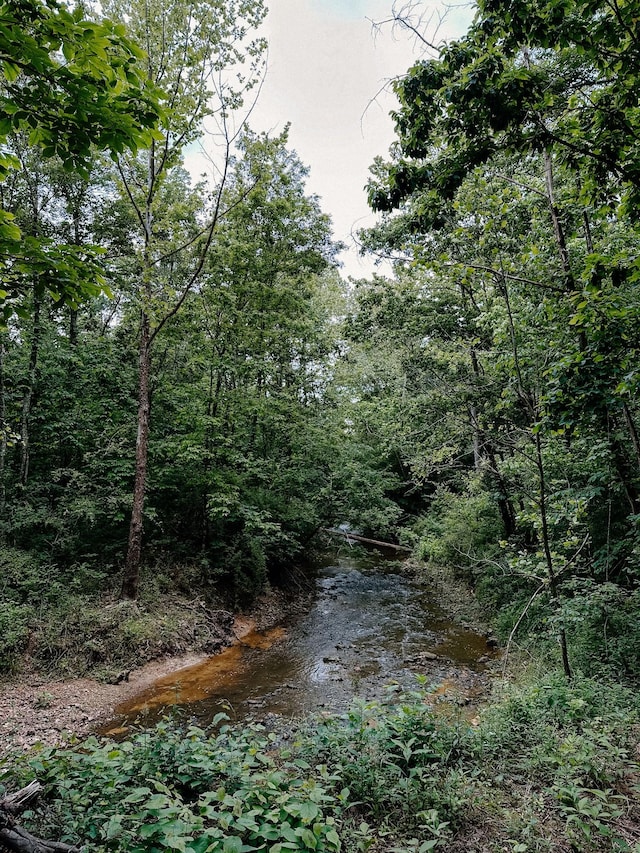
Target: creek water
{"x":368,"y":626}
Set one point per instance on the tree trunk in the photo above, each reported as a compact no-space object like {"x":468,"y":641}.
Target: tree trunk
{"x":357,"y":538}
{"x":73,"y":327}
{"x":27,"y":397}
{"x":483,"y":445}
{"x":546,"y":546}
{"x":131,"y":579}
{"x":505,"y":504}
{"x":558,"y":230}
{"x":621,"y":464}
{"x":633,"y":432}
{"x":4,"y":439}
{"x":473,"y":418}
{"x":77,"y":240}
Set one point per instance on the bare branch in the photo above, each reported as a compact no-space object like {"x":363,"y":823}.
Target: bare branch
{"x":517,"y":625}
{"x":130,"y":196}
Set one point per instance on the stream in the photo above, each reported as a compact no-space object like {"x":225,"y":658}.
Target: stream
{"x":368,"y":626}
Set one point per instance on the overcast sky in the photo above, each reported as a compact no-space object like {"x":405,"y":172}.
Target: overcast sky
{"x":326,"y":76}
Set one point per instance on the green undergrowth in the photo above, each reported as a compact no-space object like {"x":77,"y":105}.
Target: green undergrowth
{"x":547,"y":767}
{"x":81,"y":636}
{"x":70,"y":622}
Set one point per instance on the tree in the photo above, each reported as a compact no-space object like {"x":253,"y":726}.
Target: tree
{"x":550,"y":90}
{"x":514,"y":178}
{"x":237,"y":405}
{"x":195,"y":52}
{"x":70,"y":84}
{"x":527,"y":77}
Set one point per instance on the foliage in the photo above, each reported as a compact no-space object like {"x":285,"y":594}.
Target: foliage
{"x":459,"y":530}
{"x":547,"y":765}
{"x":179,"y":789}
{"x":397,"y":762}
{"x":14,"y":634}
{"x":234,"y":470}
{"x":599,"y":616}
{"x":512,"y":321}
{"x":67,"y":620}
{"x":73,"y":82}
{"x":241,"y":453}
{"x":71,"y":85}
{"x":526,"y":76}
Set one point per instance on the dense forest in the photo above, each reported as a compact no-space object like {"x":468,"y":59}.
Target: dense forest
{"x":190,"y":391}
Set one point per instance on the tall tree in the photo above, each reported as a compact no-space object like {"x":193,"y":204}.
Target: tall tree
{"x":238,"y":402}
{"x":197,"y":54}
{"x":514,"y":179}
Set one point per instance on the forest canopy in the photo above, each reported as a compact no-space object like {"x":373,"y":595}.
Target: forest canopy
{"x":71,"y":86}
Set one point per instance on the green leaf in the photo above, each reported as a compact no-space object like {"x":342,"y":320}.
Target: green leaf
{"x":11,"y":71}
{"x":309,"y":812}
{"x":308,"y":837}
{"x":137,"y":795}
{"x":147,"y":830}
{"x":114,"y":827}
{"x":333,"y":839}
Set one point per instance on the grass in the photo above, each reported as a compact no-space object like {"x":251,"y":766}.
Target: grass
{"x":69,"y":621}
{"x":82,"y":636}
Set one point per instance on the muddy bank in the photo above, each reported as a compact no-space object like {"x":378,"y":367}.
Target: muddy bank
{"x":371,"y":623}
{"x":49,"y":712}
{"x":39,"y":709}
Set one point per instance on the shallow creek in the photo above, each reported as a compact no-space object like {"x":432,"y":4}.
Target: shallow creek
{"x":368,"y":626}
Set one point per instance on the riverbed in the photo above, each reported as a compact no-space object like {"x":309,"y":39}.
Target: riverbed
{"x":370,"y":628}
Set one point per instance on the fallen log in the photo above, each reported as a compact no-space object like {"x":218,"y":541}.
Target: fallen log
{"x":16,"y":839}
{"x":358,"y":538}
{"x":15,"y":803}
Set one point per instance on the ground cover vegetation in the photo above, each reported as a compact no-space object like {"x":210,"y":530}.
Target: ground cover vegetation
{"x":188,"y":391}
{"x":549,"y":768}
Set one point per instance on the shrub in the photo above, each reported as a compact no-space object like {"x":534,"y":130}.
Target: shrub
{"x":174,"y":789}
{"x":459,"y":530}
{"x":14,"y":634}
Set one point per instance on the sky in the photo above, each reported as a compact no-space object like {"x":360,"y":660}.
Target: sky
{"x":328,"y":74}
